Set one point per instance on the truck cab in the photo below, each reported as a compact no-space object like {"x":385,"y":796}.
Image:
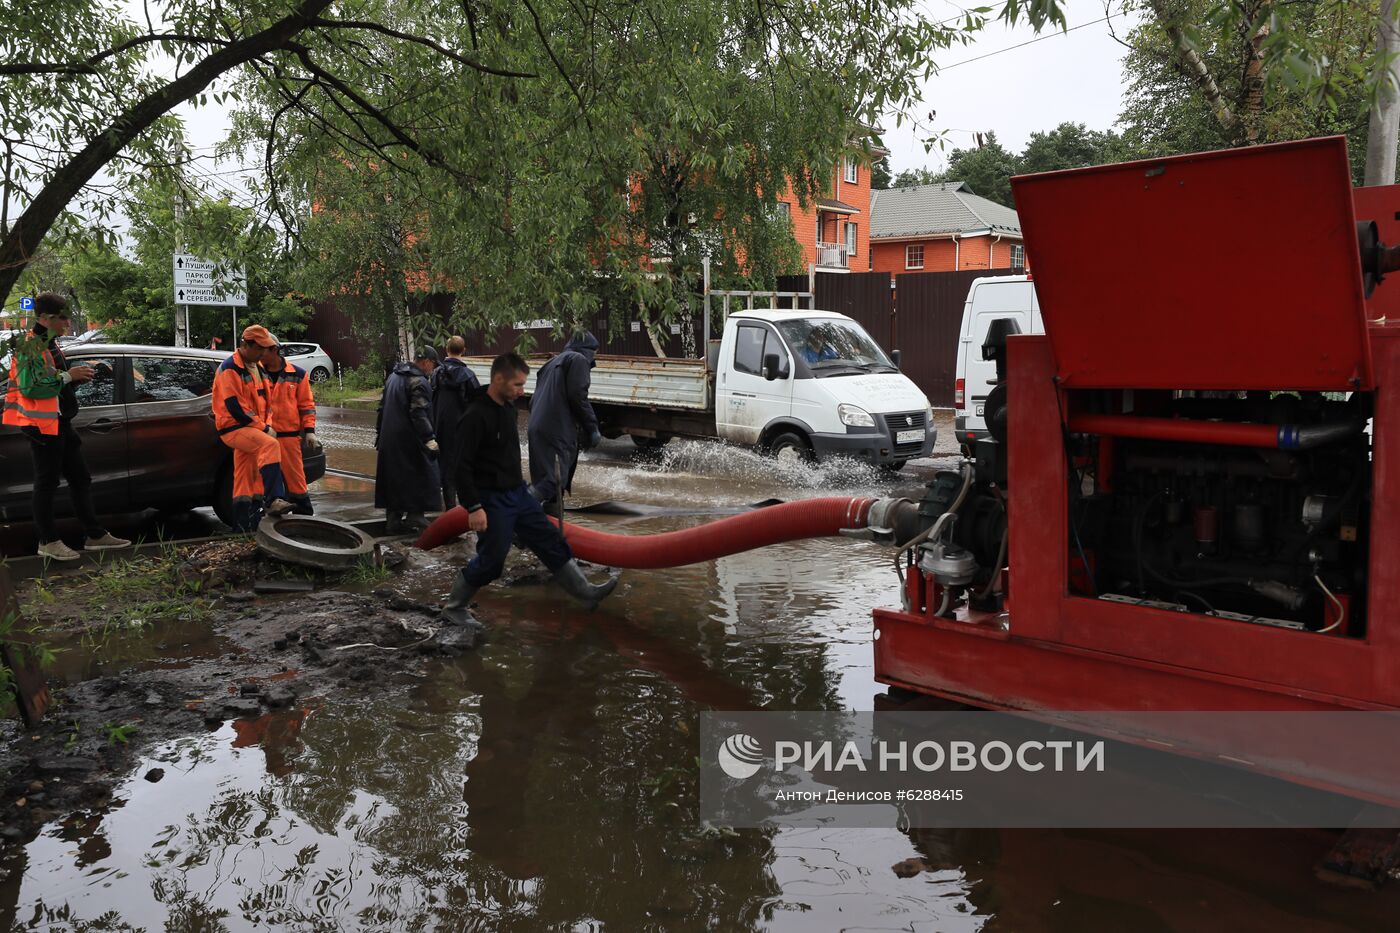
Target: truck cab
{"x":814,"y":384}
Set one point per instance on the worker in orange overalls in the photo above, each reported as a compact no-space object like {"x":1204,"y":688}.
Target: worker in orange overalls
{"x":293,"y":410}
{"x":241,"y":418}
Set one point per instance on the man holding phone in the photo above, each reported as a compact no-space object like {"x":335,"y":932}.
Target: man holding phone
{"x":42,"y":401}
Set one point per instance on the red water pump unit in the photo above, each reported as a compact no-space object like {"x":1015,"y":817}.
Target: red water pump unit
{"x":1189,"y":500}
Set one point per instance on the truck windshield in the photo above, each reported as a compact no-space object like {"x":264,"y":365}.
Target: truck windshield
{"x":834,"y":347}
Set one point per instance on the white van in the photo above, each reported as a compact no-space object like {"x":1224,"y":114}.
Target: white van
{"x":1002,"y":296}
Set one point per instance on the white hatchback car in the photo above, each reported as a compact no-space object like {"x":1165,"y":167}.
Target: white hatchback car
{"x":310,"y":357}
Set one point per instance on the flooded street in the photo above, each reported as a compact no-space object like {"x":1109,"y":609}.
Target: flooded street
{"x":548,"y":780}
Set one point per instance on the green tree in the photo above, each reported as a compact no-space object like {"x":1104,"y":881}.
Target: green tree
{"x":986,"y":168}
{"x":1204,"y":76}
{"x":1069,"y":145}
{"x":916,"y":176}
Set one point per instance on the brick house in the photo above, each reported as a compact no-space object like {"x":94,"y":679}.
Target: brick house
{"x":942,"y":228}
{"x":834,"y":231}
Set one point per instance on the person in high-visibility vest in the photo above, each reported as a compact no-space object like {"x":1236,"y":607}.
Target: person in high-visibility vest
{"x":293,"y":412}
{"x":41,"y":400}
{"x":240,"y":406}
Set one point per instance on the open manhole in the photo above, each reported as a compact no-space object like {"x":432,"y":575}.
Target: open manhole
{"x":314,"y":542}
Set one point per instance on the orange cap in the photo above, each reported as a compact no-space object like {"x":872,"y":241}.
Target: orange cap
{"x":259,"y":335}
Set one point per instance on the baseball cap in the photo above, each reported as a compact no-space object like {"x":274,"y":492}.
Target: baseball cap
{"x":427,"y":353}
{"x":259,"y":335}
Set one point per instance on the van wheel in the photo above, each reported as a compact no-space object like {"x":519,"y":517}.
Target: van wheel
{"x":894,"y":466}
{"x":649,"y":443}
{"x":320,"y":374}
{"x":790,"y":447}
{"x":223,"y":496}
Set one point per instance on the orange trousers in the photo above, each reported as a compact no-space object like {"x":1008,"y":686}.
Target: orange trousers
{"x":293,"y":469}
{"x":252,"y":450}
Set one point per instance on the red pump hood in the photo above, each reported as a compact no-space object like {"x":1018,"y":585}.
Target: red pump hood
{"x":1236,"y":269}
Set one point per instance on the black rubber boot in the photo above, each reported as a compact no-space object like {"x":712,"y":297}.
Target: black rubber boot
{"x":393,"y":523}
{"x":416,"y":522}
{"x":457,"y":609}
{"x":571,"y":579}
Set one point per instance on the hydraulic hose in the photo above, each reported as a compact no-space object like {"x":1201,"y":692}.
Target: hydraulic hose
{"x":1276,"y":436}
{"x":790,"y":521}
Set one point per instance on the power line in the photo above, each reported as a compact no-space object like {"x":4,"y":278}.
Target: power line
{"x":1012,"y":48}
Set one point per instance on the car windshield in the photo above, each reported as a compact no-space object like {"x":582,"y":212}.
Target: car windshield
{"x":833,"y":347}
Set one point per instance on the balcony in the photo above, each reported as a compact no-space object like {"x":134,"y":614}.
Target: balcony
{"x":832,"y":256}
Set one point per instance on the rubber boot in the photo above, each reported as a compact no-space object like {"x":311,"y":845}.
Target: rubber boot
{"x":457,"y":609}
{"x":416,"y":522}
{"x":302,"y":506}
{"x":571,"y":579}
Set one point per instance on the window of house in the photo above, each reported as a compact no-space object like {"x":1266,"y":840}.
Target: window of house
{"x":168,"y":379}
{"x":852,"y":171}
{"x":782,"y":211}
{"x":914,"y":256}
{"x":850,"y":239}
{"x":1018,"y":256}
{"x":748,"y":350}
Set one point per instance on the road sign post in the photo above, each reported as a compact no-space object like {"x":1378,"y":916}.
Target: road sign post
{"x":202,"y":282}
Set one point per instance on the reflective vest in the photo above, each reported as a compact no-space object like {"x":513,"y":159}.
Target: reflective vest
{"x":291,"y":404}
{"x":240,"y":396}
{"x":24,"y":412}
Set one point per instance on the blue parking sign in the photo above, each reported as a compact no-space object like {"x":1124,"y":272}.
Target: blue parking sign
{"x":26,"y":304}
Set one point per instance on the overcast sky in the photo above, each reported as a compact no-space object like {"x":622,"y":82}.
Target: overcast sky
{"x":1075,"y":77}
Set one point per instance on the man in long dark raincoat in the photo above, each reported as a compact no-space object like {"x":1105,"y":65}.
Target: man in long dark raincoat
{"x":407,"y":481}
{"x":454,"y":387}
{"x":561,"y":417}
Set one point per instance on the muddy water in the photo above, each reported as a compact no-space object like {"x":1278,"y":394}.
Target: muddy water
{"x":548,"y":781}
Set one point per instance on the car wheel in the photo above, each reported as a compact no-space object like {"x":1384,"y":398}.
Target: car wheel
{"x":320,"y":374}
{"x":792,"y":448}
{"x":650,"y":443}
{"x":894,"y":466}
{"x":223,"y":496}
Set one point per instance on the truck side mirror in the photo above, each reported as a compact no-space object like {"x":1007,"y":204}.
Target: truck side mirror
{"x":894,"y":358}
{"x":770,"y":366}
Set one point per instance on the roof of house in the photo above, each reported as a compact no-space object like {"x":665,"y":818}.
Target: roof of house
{"x":949,"y":207}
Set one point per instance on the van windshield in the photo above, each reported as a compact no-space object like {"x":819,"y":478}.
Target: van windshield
{"x":833,"y":347}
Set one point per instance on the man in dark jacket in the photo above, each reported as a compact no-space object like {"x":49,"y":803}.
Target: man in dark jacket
{"x":406,"y":482}
{"x":454,"y":386}
{"x":560,"y":416}
{"x":499,"y":506}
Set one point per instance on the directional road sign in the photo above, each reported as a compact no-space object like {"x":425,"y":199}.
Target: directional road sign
{"x":201,"y":282}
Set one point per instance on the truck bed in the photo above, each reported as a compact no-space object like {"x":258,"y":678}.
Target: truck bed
{"x":633,"y":381}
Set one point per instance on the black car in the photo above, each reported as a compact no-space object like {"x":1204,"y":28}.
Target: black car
{"x":147,"y":428}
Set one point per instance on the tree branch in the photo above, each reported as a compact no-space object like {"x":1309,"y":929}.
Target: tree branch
{"x":1197,"y":69}
{"x":420,"y":40}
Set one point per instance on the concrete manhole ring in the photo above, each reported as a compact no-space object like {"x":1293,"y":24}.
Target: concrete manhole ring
{"x":315,"y":542}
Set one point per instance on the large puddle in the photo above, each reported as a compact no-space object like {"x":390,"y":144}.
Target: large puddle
{"x":548,"y":781}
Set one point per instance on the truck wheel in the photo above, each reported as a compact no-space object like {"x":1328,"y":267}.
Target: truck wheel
{"x":790,"y":447}
{"x":223,"y":496}
{"x":649,"y":443}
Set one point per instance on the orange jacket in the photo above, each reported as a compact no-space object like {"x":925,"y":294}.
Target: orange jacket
{"x":292,"y":405}
{"x":240,"y":396}
{"x":26,"y":411}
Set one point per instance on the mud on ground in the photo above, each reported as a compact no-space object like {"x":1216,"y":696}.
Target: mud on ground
{"x":260,"y":653}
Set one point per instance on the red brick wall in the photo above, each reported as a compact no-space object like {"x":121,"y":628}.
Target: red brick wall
{"x":804,"y":219}
{"x":939,"y":255}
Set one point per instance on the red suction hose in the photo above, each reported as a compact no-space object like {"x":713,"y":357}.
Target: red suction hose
{"x":790,"y":521}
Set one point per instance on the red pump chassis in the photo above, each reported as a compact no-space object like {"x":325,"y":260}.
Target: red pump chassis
{"x":1052,"y":650}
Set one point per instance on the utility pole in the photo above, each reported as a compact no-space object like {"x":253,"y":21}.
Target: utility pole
{"x":1383,"y":135}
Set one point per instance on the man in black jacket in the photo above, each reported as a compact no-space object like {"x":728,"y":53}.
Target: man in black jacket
{"x":406,"y":479}
{"x":454,"y":386}
{"x":492,"y":489}
{"x":561,"y":418}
